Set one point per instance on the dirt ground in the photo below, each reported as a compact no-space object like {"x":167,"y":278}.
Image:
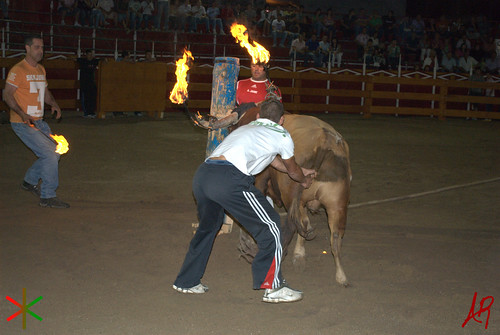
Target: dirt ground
{"x":106,"y":265}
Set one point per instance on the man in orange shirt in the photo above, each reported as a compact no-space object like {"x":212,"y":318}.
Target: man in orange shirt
{"x":26,"y":93}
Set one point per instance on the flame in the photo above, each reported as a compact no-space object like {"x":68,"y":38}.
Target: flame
{"x":179,"y":92}
{"x":258,"y":53}
{"x":62,"y":144}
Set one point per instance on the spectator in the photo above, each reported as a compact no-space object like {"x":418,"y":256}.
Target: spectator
{"x":492,"y":64}
{"x":135,"y":14}
{"x":183,"y":14}
{"x":472,"y":29}
{"x":348,"y":23}
{"x":301,"y":19}
{"x":298,"y":50}
{"x":213,"y":13}
{"x":337,"y":52}
{"x":5,"y":9}
{"x":463,"y":41}
{"x":313,"y":48}
{"x":329,"y":24}
{"x":199,"y":16}
{"x":388,"y":26}
{"x":375,"y":23}
{"x":361,"y":21}
{"x":418,"y":25}
{"x":122,"y":13}
{"x":379,"y":60}
{"x":477,"y":53}
{"x":147,"y":12}
{"x":393,"y":54}
{"x":278,"y":27}
{"x":448,"y":62}
{"x":412,"y":44}
{"x":68,"y":8}
{"x":369,"y":52}
{"x":425,"y":47}
{"x":430,"y":62}
{"x":148,"y":57}
{"x":466,"y":63}
{"x":489,"y":92}
{"x":88,"y":89}
{"x":404,"y":29}
{"x":107,"y":11}
{"x":163,"y":14}
{"x":227,"y":15}
{"x":325,"y":49}
{"x":361,"y":40}
{"x":375,"y":40}
{"x":85,"y":12}
{"x":476,"y":91}
{"x":264,"y":23}
{"x":125,"y":57}
{"x":443,"y":26}
{"x":250,"y":16}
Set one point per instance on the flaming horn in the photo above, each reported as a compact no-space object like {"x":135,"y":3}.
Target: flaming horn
{"x":61,"y":142}
{"x":258,"y":53}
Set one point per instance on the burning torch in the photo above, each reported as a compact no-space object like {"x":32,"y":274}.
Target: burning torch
{"x":61,"y":142}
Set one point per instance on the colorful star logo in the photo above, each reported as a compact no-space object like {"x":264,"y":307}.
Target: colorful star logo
{"x":24,"y":308}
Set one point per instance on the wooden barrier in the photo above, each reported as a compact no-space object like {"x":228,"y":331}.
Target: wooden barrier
{"x":146,"y":86}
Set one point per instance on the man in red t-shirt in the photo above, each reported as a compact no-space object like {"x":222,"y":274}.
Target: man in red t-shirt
{"x":249,"y":93}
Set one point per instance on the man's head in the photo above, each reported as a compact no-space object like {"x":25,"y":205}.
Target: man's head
{"x":89,"y":54}
{"x":273,"y":110}
{"x":258,"y":71}
{"x":34,"y":48}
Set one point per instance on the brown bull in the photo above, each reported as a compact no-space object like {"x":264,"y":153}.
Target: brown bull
{"x":319,"y":146}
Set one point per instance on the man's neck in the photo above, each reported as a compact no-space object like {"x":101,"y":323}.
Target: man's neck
{"x":31,"y":61}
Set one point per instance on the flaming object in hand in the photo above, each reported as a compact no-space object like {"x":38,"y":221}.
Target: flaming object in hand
{"x":258,"y":53}
{"x":62,"y":144}
{"x":179,"y":92}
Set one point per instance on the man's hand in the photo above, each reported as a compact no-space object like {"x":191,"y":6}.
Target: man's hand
{"x":28,"y":119}
{"x":308,"y":182}
{"x":309,"y":172}
{"x":57,"y":110}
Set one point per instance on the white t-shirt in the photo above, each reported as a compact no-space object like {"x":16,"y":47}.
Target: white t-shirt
{"x":251,"y":148}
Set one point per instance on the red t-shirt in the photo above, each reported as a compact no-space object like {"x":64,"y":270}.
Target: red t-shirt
{"x":249,"y":90}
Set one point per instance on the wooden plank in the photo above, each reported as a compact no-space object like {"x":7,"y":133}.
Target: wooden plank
{"x":405,"y":95}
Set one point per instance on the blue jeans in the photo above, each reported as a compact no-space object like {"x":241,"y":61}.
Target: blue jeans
{"x":46,"y":166}
{"x":279,"y":35}
{"x":162,"y":13}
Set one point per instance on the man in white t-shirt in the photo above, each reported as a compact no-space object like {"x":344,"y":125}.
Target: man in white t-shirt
{"x":225,"y":181}
{"x":278,"y":30}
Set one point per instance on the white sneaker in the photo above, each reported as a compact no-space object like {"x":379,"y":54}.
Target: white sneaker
{"x":282,"y":294}
{"x":198,"y":289}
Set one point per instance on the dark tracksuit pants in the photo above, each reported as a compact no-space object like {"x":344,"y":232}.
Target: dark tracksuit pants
{"x":218,"y":185}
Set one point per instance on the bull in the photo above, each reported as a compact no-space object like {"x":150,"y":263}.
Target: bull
{"x":317,"y":146}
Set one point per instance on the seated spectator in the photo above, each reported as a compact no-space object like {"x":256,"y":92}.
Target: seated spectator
{"x":369,"y":51}
{"x":227,"y":15}
{"x":404,"y":30}
{"x":250,"y":16}
{"x":199,"y":16}
{"x":213,"y":13}
{"x":472,"y":29}
{"x":329,"y":24}
{"x":477,"y":53}
{"x":443,"y":26}
{"x":122,"y":15}
{"x":492,"y":63}
{"x":430,"y":62}
{"x":301,"y":19}
{"x":148,"y":8}
{"x":183,"y":14}
{"x":264,"y":23}
{"x":418,"y":25}
{"x":68,"y":8}
{"x":105,"y":10}
{"x":5,"y":9}
{"x":312,"y":45}
{"x":449,"y":63}
{"x":125,"y":57}
{"x":348,"y":23}
{"x":375,"y":39}
{"x":389,"y":26}
{"x":466,"y":63}
{"x":325,"y":49}
{"x":337,"y":52}
{"x":412,"y":45}
{"x":361,"y":40}
{"x":361,"y":21}
{"x":148,"y":57}
{"x":375,"y":23}
{"x":84,"y":12}
{"x":425,"y":47}
{"x":318,"y":21}
{"x":298,"y":50}
{"x":463,"y":41}
{"x":393,"y":54}
{"x":379,"y":59}
{"x":135,"y":14}
{"x":278,"y":27}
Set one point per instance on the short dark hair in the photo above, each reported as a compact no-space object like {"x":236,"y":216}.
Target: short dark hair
{"x":88,"y":51}
{"x":28,"y":40}
{"x":272,"y":109}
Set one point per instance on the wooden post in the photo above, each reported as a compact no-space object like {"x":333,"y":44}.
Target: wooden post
{"x":443,"y":92}
{"x":368,"y":102}
{"x":224,"y":79}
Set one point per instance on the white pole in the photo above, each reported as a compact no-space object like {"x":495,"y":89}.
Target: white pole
{"x":363,"y":83}
{"x":329,"y":65}
{"x":79,"y":51}
{"x":398,"y":88}
{"x":153,"y":49}
{"x":3,"y":51}
{"x":116,"y":48}
{"x":434,"y":76}
{"x":135,"y":44}
{"x":93,"y":38}
{"x":52,"y":38}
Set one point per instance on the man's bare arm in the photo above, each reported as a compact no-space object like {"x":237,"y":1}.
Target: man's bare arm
{"x":53,"y":103}
{"x":8,"y":97}
{"x":297,"y":173}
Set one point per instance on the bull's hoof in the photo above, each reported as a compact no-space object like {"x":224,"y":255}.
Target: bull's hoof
{"x":310,"y":235}
{"x":342,"y":280}
{"x":299,"y":263}
{"x":345,"y":284}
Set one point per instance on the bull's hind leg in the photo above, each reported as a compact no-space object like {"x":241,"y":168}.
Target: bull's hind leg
{"x":336,"y":222}
{"x":299,"y":253}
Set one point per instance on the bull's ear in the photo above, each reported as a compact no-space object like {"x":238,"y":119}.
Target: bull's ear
{"x":257,"y":116}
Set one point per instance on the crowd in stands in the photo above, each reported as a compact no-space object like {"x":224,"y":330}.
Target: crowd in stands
{"x":382,"y":41}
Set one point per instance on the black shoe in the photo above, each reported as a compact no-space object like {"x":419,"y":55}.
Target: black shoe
{"x":31,"y":188}
{"x":53,"y":203}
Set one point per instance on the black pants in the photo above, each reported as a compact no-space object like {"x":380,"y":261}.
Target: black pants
{"x":218,"y":185}
{"x":88,"y":98}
